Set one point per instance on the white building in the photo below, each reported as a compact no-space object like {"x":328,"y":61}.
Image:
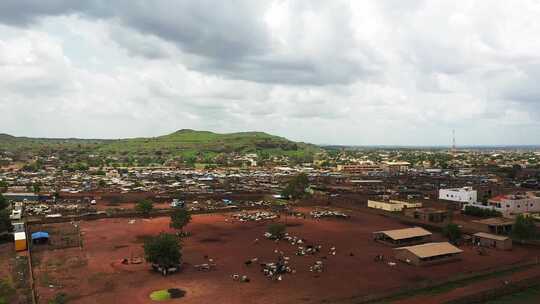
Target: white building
{"x":512,"y":204}
{"x":462,"y":195}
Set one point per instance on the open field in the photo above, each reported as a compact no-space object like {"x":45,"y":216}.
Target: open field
{"x":95,"y":274}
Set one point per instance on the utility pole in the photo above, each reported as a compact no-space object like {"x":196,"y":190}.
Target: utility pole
{"x":454,"y":142}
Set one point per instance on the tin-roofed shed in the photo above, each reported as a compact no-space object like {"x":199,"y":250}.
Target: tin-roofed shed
{"x":492,"y":241}
{"x":400,"y":237}
{"x":428,"y":254}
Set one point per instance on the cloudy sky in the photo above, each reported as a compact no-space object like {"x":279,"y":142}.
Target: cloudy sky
{"x":332,"y":72}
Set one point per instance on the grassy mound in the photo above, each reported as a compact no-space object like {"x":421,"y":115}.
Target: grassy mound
{"x":160,"y":295}
{"x":167,"y":294}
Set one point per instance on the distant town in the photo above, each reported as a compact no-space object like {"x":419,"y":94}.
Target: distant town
{"x":81,"y":220}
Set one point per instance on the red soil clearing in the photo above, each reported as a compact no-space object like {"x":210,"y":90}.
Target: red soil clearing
{"x":95,"y":274}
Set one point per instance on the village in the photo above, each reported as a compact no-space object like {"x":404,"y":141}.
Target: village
{"x":368,"y":232}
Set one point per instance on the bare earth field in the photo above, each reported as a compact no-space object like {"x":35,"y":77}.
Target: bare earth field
{"x":95,"y":274}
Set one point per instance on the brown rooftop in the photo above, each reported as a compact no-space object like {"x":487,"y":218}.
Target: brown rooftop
{"x":406,"y":233}
{"x":491,"y":236}
{"x":495,"y":221}
{"x":432,"y":249}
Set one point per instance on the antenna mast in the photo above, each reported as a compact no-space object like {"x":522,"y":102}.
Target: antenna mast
{"x":453,"y":142}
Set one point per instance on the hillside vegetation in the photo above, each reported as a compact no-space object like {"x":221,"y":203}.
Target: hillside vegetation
{"x":182,"y":143}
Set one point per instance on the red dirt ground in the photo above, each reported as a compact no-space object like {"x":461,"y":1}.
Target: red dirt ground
{"x":95,"y":274}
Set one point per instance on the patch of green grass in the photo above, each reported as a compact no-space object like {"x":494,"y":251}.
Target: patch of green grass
{"x":59,"y":298}
{"x":160,"y":295}
{"x":530,"y":295}
{"x":446,"y":287}
{"x":6,"y":291}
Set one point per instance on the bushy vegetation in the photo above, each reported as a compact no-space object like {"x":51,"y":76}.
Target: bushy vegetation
{"x":277,"y":230}
{"x":3,"y":202}
{"x":164,"y":250}
{"x":296,"y":187}
{"x":6,"y":291}
{"x":180,"y":218}
{"x":452,"y":232}
{"x":5,"y":222}
{"x":481,"y":212}
{"x":524,"y":228}
{"x":144,"y":207}
{"x":59,"y":298}
{"x":185,"y":146}
{"x":3,"y":186}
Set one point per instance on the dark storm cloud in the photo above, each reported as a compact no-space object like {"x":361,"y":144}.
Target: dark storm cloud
{"x":222,"y":29}
{"x":25,"y":12}
{"x":228,"y":29}
{"x":292,"y":71}
{"x":229,"y":37}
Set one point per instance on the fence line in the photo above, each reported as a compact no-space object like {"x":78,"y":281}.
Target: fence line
{"x":30,"y":267}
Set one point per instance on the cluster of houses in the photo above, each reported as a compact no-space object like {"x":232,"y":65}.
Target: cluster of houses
{"x":508,"y":205}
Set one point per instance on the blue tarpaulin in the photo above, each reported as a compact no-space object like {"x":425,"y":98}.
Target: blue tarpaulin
{"x":40,"y":235}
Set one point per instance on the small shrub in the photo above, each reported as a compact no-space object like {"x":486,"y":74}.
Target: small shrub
{"x":481,"y":212}
{"x":277,"y":230}
{"x":59,"y":298}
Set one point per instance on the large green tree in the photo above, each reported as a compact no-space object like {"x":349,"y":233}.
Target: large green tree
{"x":3,"y":202}
{"x":144,"y":207}
{"x":296,"y":187}
{"x":3,"y":186}
{"x":5,"y":222}
{"x":524,"y":228}
{"x":452,"y":232}
{"x":180,"y":218}
{"x":164,"y":250}
{"x":277,"y":230}
{"x":36,"y":187}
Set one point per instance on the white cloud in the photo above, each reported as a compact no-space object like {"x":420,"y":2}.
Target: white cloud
{"x":350,"y":72}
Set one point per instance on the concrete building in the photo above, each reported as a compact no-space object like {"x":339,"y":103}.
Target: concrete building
{"x":392,"y":205}
{"x":495,"y":225}
{"x":492,"y":241}
{"x":428,"y":214}
{"x":395,"y":167}
{"x":428,"y":254}
{"x":465,"y":195}
{"x":18,"y":227}
{"x":513,"y":204}
{"x":360,"y":169}
{"x":400,"y":237}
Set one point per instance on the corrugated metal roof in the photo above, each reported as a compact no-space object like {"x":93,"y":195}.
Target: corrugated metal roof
{"x":495,"y":221}
{"x":406,"y":233}
{"x":432,"y":249}
{"x":491,"y":236}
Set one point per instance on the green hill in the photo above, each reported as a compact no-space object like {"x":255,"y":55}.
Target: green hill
{"x":180,"y":143}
